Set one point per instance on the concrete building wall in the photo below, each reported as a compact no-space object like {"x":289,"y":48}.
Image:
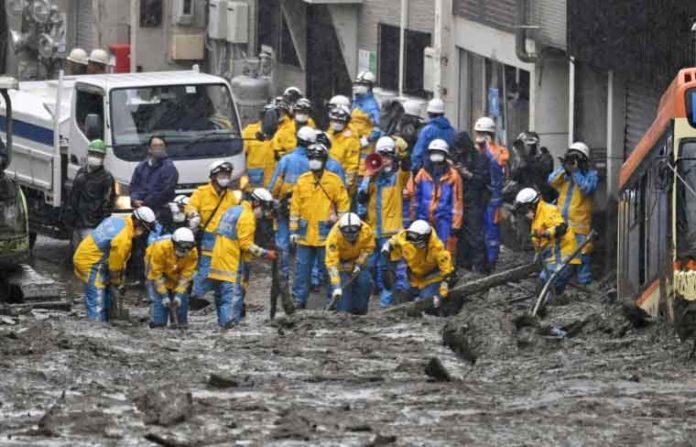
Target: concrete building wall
{"x":421,"y":17}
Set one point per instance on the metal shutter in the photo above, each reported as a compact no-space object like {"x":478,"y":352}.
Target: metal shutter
{"x":550,"y":15}
{"x":641,"y":107}
{"x":501,"y":14}
{"x":84,"y":31}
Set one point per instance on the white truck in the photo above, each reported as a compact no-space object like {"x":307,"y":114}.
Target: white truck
{"x":54,"y":121}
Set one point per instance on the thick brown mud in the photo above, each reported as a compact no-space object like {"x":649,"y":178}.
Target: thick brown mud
{"x":583,"y":375}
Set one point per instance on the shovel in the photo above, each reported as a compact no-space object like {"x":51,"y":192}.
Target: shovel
{"x":334,"y":301}
{"x":541,"y":300}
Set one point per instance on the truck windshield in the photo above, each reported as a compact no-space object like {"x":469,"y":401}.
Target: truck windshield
{"x":686,"y":201}
{"x":197,"y":121}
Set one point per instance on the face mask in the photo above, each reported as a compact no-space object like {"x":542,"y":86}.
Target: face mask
{"x":336,"y":126}
{"x":437,"y":158}
{"x":360,"y":89}
{"x":482,"y":140}
{"x":315,"y":165}
{"x":224,"y":182}
{"x":94,"y":162}
{"x":180,"y":253}
{"x":301,"y":118}
{"x":178,"y":217}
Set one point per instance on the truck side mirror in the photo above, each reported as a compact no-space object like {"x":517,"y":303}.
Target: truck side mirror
{"x":93,"y":127}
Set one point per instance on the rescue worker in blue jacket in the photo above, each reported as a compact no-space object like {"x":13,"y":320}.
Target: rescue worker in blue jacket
{"x":576,"y":184}
{"x":365,"y":113}
{"x":234,"y":246}
{"x":380,"y":199}
{"x":100,"y":259}
{"x":437,"y":127}
{"x":282,"y":186}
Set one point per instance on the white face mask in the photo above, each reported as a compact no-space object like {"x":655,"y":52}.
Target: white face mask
{"x":336,"y":126}
{"x":315,"y":165}
{"x":301,"y":117}
{"x":482,"y":139}
{"x":94,"y":162}
{"x":223,"y":181}
{"x":178,"y":217}
{"x":437,"y":157}
{"x":360,"y":89}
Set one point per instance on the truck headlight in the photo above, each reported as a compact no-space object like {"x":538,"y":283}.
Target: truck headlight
{"x":123,"y":201}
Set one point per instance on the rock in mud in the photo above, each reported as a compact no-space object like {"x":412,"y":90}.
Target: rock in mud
{"x":479,"y":332}
{"x":381,"y":440}
{"x":437,"y":371}
{"x":169,"y":439}
{"x":166,"y":405}
{"x":221,"y":381}
{"x":59,"y":419}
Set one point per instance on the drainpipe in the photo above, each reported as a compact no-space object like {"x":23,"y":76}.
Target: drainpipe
{"x":134,"y":23}
{"x":437,"y":46}
{"x":402,"y":45}
{"x":521,"y":34}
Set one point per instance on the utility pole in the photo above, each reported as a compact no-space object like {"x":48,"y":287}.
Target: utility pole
{"x":134,"y":23}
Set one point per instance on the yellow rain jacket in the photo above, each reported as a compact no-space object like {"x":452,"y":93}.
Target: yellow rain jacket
{"x":169,"y":273}
{"x":385,"y":203}
{"x":427,"y":265}
{"x":108,"y":247}
{"x":316,"y":206}
{"x":575,"y":197}
{"x":204,"y":200}
{"x":345,"y":148}
{"x":260,"y":160}
{"x":234,"y":241}
{"x":342,"y":255}
{"x":553,"y":249}
{"x":361,"y":123}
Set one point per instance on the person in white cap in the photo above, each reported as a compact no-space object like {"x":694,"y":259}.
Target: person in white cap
{"x":438,"y":127}
{"x":98,"y":61}
{"x":76,"y":62}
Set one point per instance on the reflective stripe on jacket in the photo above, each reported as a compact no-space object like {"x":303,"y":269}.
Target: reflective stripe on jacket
{"x":166,"y":270}
{"x":260,"y":159}
{"x":109,"y":246}
{"x":234,"y":237}
{"x":386,"y":201}
{"x":437,"y":200}
{"x":575,"y":197}
{"x":553,"y":249}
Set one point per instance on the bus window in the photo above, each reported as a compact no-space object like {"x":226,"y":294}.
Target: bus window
{"x":691,"y":107}
{"x":686,"y":202}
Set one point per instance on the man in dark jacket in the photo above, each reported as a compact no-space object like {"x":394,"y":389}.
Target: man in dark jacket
{"x":154,"y":181}
{"x":92,"y":195}
{"x":474,"y":168}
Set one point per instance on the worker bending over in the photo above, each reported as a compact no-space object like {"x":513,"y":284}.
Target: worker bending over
{"x":170,"y":263}
{"x":348,"y":248}
{"x":233,"y":246}
{"x":429,"y":264}
{"x":551,"y":237}
{"x":576,"y":184}
{"x":100,"y":259}
{"x":318,"y":201}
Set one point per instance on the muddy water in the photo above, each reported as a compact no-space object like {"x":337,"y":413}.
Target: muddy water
{"x":322,"y":379}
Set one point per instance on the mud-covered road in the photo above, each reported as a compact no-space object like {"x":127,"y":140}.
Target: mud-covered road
{"x":323,"y":379}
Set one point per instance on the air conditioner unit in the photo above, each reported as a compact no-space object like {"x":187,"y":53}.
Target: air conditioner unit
{"x":237,"y":22}
{"x":217,"y":19}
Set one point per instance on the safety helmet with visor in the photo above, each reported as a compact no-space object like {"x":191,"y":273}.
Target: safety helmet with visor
{"x":350,"y":225}
{"x":418,"y":233}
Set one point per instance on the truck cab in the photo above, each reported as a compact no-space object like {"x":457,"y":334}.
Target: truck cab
{"x":55,"y":120}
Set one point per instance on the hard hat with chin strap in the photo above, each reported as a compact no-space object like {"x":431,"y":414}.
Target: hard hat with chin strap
{"x":220,"y":166}
{"x":78,"y":56}
{"x":580,"y":147}
{"x":386,"y":146}
{"x":526,"y":197}
{"x":485,"y":124}
{"x":262,"y":195}
{"x":419,"y":232}
{"x":339,"y":100}
{"x":438,"y":144}
{"x":145,"y":216}
{"x":99,"y":56}
{"x":412,"y":107}
{"x":365,"y":77}
{"x":436,"y":106}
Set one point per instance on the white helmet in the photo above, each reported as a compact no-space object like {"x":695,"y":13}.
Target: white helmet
{"x":306,"y":136}
{"x":419,"y":233}
{"x":145,"y":216}
{"x":183,"y":236}
{"x":78,"y":56}
{"x":436,"y":106}
{"x":218,"y":166}
{"x":350,"y":225}
{"x":412,"y":107}
{"x":340,"y":100}
{"x":365,"y":77}
{"x":438,"y":144}
{"x":292,"y":94}
{"x":527,"y":196}
{"x":385,"y":146}
{"x":99,"y":56}
{"x":262,"y":195}
{"x":581,"y":147}
{"x":485,"y":124}
{"x":181,"y":200}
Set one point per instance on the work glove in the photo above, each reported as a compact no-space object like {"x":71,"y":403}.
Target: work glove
{"x":337,"y":293}
{"x":386,"y":249}
{"x":194,"y":221}
{"x":294,"y":239}
{"x":270,"y":255}
{"x":166,"y":301}
{"x":541,"y":233}
{"x":444,"y":290}
{"x":177,"y":301}
{"x":356,"y":270}
{"x":364,"y":142}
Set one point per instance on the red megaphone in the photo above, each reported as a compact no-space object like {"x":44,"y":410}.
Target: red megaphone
{"x":373,"y":164}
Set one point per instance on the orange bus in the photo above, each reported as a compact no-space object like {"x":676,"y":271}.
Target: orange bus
{"x":656,"y":260}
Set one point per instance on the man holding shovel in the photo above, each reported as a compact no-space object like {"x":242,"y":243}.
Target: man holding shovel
{"x":348,"y":248}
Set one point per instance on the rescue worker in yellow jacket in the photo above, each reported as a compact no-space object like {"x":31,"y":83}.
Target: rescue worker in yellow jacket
{"x":260,"y":160}
{"x":170,"y":263}
{"x":552,"y":238}
{"x":207,"y":205}
{"x":428,"y":263}
{"x":345,"y":145}
{"x":365,"y":115}
{"x":100,"y":259}
{"x":348,"y":248}
{"x":319,"y":200}
{"x":576,"y":184}
{"x":380,"y":199}
{"x":233,"y":246}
